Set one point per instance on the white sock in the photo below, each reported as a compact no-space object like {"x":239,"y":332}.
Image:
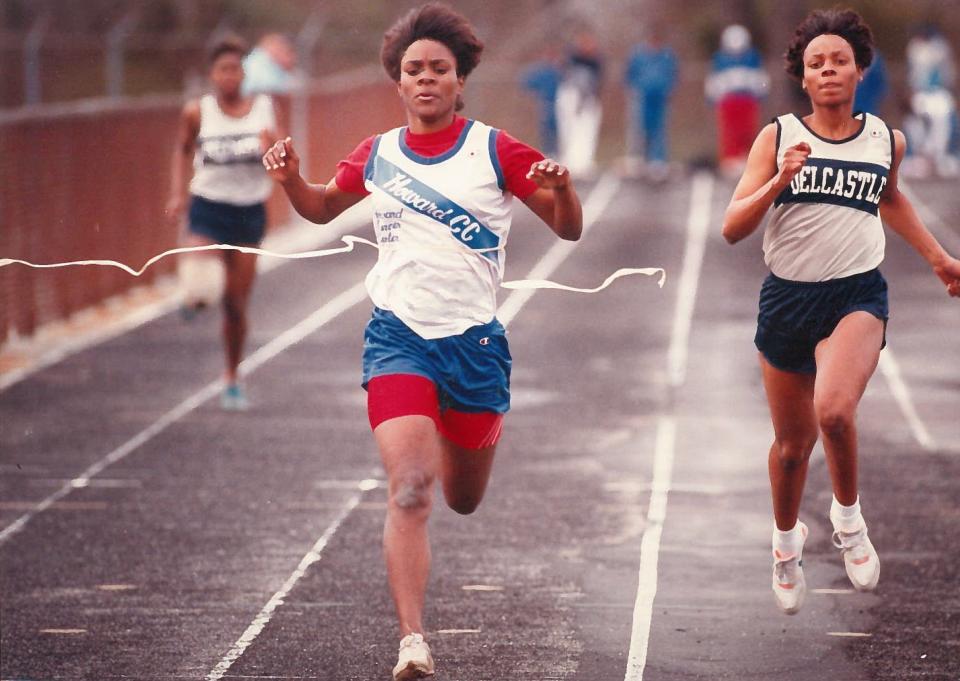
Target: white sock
{"x":787,"y":543}
{"x":846,"y":518}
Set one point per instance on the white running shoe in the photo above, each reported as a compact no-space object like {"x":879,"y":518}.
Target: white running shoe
{"x":415,"y":661}
{"x":859,"y":557}
{"x":789,"y":586}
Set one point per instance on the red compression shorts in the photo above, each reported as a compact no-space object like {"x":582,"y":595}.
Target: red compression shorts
{"x":396,"y":395}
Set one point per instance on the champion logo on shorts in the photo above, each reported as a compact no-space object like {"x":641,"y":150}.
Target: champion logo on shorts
{"x":485,"y":340}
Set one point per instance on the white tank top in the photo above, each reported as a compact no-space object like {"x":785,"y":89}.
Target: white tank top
{"x":227,"y":166}
{"x":826,"y":224}
{"x":441,"y":224}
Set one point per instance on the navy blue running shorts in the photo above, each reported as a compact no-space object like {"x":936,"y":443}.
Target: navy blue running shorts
{"x":471,"y":371}
{"x":225,"y":223}
{"x":796,"y":315}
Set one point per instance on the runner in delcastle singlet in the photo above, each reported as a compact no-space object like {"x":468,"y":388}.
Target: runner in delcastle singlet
{"x":436,"y":364}
{"x":830,"y":177}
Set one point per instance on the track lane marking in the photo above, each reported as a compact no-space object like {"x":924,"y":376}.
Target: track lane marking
{"x":601,"y":195}
{"x":331,"y":310}
{"x":890,"y":369}
{"x":295,"y":237}
{"x":266,"y":612}
{"x":889,"y":366}
{"x":698,"y":222}
{"x":603,"y":192}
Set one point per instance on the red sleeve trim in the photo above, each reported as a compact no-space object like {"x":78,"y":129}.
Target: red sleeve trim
{"x":350,"y":170}
{"x":515,"y":159}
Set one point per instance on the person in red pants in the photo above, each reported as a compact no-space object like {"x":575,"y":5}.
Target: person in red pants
{"x":736,"y":85}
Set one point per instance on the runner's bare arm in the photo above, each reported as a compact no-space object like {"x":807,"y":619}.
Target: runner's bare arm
{"x":761,"y":183}
{"x":556,"y":201}
{"x":187,"y":131}
{"x":319,"y":203}
{"x":898,"y":213}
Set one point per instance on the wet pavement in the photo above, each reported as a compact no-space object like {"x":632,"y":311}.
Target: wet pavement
{"x":175,"y":541}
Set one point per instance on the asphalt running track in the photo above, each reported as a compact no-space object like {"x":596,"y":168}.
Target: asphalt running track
{"x":147,"y":535}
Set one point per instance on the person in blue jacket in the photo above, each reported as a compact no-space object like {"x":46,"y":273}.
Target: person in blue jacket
{"x":651,"y":76}
{"x":873,"y":87}
{"x":542,"y":78}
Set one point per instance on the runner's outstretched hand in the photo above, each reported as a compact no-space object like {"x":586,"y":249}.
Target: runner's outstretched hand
{"x":281,"y":160}
{"x":549,"y":174}
{"x":949,"y":273}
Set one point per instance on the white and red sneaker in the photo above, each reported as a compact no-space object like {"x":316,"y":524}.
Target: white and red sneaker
{"x":859,"y":557}
{"x":789,"y":586}
{"x":414,"y":661}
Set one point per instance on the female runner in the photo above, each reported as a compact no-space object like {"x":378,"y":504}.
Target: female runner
{"x":830,"y":177}
{"x":435,"y":364}
{"x":221,"y":133}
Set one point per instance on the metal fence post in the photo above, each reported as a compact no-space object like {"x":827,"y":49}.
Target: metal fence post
{"x":116,"y":37}
{"x":33,"y":90}
{"x":300,"y":106}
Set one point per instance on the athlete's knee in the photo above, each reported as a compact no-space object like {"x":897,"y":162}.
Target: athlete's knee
{"x":412,"y":491}
{"x":793,"y":452}
{"x":836,"y":425}
{"x":835,"y":418}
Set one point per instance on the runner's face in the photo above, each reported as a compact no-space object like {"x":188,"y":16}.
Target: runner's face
{"x":227,"y":74}
{"x":429,"y":84}
{"x":830,"y":72}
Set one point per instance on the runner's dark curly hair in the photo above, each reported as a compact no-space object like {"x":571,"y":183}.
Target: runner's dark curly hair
{"x":226,"y":44}
{"x":432,"y":21}
{"x":842,"y":22}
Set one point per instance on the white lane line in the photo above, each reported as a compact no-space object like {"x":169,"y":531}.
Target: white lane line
{"x":947,"y":237}
{"x":456,"y":632}
{"x":266,"y":613}
{"x":650,"y":549}
{"x":298,"y":235}
{"x":890,"y":369}
{"x":601,"y":195}
{"x":604,"y":191}
{"x":338,"y":305}
{"x":698,"y":223}
{"x":700,"y":197}
{"x":849,"y":634}
{"x":888,"y":363}
{"x":67,"y":632}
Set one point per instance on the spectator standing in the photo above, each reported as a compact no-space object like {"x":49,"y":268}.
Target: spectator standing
{"x":931,"y":75}
{"x":542,"y":79}
{"x":270,"y":67}
{"x":873,"y":87}
{"x":651,"y":76}
{"x":578,"y":105}
{"x":736,"y":85}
